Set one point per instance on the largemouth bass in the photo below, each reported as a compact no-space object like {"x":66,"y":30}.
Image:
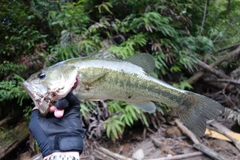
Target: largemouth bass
{"x":102,"y":76}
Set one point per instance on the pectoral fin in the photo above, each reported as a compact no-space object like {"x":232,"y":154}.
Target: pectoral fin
{"x":147,"y":106}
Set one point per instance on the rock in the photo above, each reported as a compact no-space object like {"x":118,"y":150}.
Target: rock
{"x":147,"y":147}
{"x":173,"y":132}
{"x":138,"y":155}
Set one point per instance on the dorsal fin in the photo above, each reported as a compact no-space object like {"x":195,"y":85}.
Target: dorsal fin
{"x":144,"y":60}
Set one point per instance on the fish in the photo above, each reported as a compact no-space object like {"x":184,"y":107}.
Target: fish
{"x":102,"y":76}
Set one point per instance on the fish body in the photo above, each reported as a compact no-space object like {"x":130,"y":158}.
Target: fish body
{"x":101,"y":77}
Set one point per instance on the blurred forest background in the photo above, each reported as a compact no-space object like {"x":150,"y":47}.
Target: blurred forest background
{"x":196,"y":46}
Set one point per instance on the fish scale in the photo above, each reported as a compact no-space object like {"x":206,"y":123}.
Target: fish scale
{"x":144,"y":88}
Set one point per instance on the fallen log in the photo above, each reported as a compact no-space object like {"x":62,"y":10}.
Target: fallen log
{"x":5,"y":120}
{"x":11,"y":139}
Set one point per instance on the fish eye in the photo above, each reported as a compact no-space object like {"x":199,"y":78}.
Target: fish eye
{"x":41,"y":75}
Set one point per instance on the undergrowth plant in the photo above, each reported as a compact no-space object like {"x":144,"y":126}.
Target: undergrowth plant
{"x":12,"y":90}
{"x":122,"y":115}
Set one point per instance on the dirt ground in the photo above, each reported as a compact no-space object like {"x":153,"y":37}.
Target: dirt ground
{"x":166,"y":143}
{"x":157,"y":145}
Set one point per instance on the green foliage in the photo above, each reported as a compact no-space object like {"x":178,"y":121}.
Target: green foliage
{"x":183,"y":85}
{"x":12,"y":89}
{"x":87,"y":107}
{"x":223,"y":22}
{"x":160,"y":62}
{"x":123,"y":115}
{"x":70,"y":17}
{"x":163,"y":108}
{"x":69,"y":22}
{"x":153,"y":21}
{"x":114,"y":127}
{"x":7,"y":67}
{"x":18,"y":35}
{"x":27,"y":112}
{"x":105,"y":6}
{"x":6,"y":136}
{"x":131,"y":114}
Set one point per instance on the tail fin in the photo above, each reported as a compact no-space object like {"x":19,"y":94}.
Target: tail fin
{"x":196,"y":110}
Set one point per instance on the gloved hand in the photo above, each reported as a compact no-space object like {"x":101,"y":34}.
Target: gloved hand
{"x":59,"y":134}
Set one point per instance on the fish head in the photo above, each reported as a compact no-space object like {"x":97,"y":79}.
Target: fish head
{"x":50,"y":84}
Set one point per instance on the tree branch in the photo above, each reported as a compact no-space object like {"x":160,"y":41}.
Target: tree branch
{"x":212,"y":70}
{"x":200,"y":73}
{"x":111,"y":154}
{"x":230,"y":81}
{"x":204,"y":16}
{"x":232,"y":47}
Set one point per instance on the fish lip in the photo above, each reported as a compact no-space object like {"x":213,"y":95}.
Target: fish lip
{"x":29,"y":90}
{"x":38,"y":101}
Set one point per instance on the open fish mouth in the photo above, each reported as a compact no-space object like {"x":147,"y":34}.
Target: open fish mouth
{"x":39,"y":95}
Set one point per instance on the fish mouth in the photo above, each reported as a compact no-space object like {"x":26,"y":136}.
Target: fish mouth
{"x":42,"y":96}
{"x":39,"y":96}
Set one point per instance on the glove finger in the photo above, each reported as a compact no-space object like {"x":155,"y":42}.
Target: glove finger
{"x":62,"y":103}
{"x":72,"y":99}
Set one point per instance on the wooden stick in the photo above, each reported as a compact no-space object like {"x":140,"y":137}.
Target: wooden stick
{"x":182,"y":156}
{"x":196,"y":142}
{"x":114,"y":155}
{"x":230,"y":81}
{"x":186,"y":131}
{"x":103,"y":155}
{"x":208,"y":151}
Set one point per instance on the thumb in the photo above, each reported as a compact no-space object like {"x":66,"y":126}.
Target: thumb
{"x":58,"y":113}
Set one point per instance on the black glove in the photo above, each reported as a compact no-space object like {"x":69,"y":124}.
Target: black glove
{"x":59,"y":134}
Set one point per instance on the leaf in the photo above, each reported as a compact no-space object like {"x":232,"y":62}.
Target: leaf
{"x":175,"y":68}
{"x":84,"y":110}
{"x":105,"y":6}
{"x":183,"y":84}
{"x":114,"y":127}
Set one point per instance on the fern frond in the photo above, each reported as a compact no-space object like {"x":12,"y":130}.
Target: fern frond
{"x":104,"y":7}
